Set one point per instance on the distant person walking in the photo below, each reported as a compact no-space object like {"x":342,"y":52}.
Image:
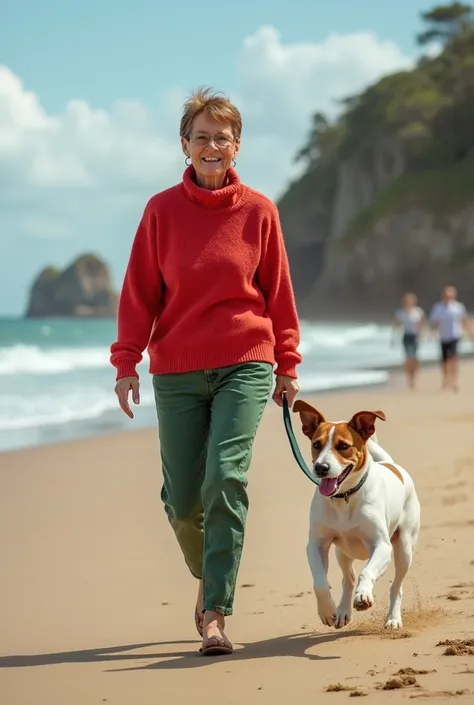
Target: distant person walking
{"x":411,"y":319}
{"x":449,"y":317}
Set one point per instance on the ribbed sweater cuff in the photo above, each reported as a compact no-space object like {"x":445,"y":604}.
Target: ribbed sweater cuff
{"x":126,"y":368}
{"x":287,"y":369}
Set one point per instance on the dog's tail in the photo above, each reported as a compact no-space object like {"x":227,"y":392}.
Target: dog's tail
{"x":378,"y":453}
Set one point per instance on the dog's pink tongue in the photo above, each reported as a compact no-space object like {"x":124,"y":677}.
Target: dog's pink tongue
{"x":328,"y":486}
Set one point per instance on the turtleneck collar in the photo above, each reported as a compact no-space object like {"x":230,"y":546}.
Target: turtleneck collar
{"x":225,"y":197}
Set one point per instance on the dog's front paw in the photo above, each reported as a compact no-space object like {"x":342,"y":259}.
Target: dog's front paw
{"x":327,"y":612}
{"x":343,"y":616}
{"x":393,"y":623}
{"x":363,"y":600}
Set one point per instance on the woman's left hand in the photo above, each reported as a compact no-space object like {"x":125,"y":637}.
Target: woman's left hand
{"x":285,"y":385}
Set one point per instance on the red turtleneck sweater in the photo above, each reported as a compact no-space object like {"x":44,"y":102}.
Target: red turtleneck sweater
{"x":207,"y":284}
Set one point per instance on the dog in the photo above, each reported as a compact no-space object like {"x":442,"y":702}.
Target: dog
{"x":366,"y":504}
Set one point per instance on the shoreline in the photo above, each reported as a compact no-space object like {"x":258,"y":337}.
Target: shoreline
{"x":110,"y":431}
{"x":112,"y":424}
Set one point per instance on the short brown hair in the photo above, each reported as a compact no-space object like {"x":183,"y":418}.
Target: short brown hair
{"x":216,"y":104}
{"x":410,"y":296}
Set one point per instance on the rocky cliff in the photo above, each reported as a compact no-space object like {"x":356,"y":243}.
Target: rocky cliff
{"x":386,"y":201}
{"x":415,"y":250}
{"x":314,"y":226}
{"x":82,"y":289}
{"x":417,"y":237}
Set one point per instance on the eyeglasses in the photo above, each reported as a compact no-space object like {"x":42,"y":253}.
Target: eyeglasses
{"x":202,"y":139}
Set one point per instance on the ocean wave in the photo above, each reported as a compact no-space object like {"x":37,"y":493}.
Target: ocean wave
{"x":35,"y":359}
{"x":317,"y":337}
{"x":32,"y":359}
{"x":59,"y":385}
{"x":309,"y":382}
{"x":63,"y":405}
{"x":21,"y":412}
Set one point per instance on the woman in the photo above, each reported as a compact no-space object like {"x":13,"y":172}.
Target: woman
{"x":411,"y":318}
{"x":207,"y":289}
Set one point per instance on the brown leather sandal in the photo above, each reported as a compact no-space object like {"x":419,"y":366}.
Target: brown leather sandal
{"x":216,"y":649}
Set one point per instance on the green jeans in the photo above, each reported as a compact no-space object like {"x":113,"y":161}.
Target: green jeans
{"x":207,"y":421}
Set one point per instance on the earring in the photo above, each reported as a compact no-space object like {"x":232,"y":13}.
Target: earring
{"x":234,"y":163}
{"x":186,"y":161}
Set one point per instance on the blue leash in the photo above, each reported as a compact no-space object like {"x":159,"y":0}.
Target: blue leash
{"x":293,"y":443}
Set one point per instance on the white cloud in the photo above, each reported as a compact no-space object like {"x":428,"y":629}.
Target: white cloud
{"x":82,"y":176}
{"x":83,"y":147}
{"x":297,"y":78}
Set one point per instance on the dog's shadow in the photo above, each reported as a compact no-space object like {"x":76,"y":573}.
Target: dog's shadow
{"x":290,"y":645}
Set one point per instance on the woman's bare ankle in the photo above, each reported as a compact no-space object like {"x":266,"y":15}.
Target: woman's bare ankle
{"x":210,"y":616}
{"x":199,"y":599}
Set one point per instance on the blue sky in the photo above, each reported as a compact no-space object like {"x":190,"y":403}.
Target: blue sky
{"x":90,"y":98}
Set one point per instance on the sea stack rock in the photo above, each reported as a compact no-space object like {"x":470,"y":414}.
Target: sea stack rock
{"x":84,"y":289}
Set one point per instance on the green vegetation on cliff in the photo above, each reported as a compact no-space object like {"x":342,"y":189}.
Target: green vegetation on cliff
{"x":429,"y":110}
{"x":438,"y":191}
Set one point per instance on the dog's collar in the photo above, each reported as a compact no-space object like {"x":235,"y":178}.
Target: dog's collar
{"x":345,"y":495}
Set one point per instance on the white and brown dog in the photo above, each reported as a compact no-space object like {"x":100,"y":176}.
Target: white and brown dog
{"x":366,"y":505}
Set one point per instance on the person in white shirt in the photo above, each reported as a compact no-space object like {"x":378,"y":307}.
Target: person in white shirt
{"x":411,"y":318}
{"x":449,"y":317}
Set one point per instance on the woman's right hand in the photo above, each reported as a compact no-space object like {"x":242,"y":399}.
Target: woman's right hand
{"x":122,"y":388}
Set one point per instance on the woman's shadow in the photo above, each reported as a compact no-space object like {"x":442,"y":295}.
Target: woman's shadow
{"x":290,"y":645}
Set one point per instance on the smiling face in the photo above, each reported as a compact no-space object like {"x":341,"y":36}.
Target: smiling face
{"x":339,"y":449}
{"x":212,"y":147}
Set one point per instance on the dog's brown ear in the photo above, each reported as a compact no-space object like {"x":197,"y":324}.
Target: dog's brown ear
{"x":310,"y":417}
{"x":363,"y":422}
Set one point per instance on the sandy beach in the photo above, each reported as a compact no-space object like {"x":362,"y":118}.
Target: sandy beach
{"x":97,"y":604}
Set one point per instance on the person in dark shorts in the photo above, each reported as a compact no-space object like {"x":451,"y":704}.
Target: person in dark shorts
{"x":411,"y":318}
{"x":449,"y":349}
{"x":449,"y":317}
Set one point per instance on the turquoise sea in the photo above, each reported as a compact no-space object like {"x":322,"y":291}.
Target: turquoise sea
{"x":57,"y":382}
